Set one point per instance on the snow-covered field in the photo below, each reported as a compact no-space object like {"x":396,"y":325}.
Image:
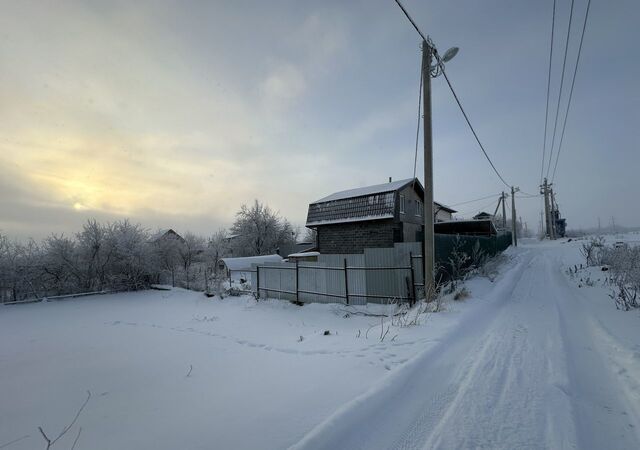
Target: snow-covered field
{"x":530,"y":360}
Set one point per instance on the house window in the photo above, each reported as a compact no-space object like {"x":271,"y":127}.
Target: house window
{"x":401,"y":204}
{"x":418,"y":209}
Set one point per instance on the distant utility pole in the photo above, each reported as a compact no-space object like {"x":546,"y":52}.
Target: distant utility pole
{"x":547,"y":213}
{"x":514,"y":236}
{"x":598,"y":225}
{"x":504,"y":213}
{"x":613,"y":224}
{"x":541,"y":226}
{"x":552,"y":195}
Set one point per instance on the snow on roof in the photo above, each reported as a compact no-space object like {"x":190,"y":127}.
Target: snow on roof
{"x":245,"y":263}
{"x":366,"y":190}
{"x":303,"y":254}
{"x":444,"y":207}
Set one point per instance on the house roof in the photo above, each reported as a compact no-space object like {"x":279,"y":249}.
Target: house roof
{"x":361,"y":204}
{"x":367,"y":190}
{"x":444,"y":207}
{"x":167,"y":233}
{"x":245,"y":263}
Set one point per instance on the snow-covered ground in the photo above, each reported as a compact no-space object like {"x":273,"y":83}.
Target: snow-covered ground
{"x":530,"y":360}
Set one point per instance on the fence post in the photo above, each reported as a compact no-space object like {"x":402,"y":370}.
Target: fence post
{"x":346,"y":282}
{"x":413,"y":279}
{"x":297,"y":283}
{"x":258,"y":281}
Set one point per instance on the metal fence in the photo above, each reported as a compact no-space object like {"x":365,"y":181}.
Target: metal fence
{"x":379,"y":275}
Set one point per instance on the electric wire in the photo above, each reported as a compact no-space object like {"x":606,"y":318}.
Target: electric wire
{"x":546,"y":112}
{"x":471,"y":126}
{"x":474,"y":200}
{"x":564,"y":63}
{"x":466,"y":212}
{"x":575,"y":70}
{"x":411,"y":20}
{"x":415,"y":158}
{"x":455,"y":95}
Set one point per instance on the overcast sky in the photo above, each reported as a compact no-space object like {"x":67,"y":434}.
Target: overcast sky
{"x":176,"y":113}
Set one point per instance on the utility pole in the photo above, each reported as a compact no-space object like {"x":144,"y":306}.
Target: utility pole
{"x":504,"y":213}
{"x":428,"y":253}
{"x":514,"y":236}
{"x":547,"y":214}
{"x":613,"y":224}
{"x":541,"y":226}
{"x":553,"y":212}
{"x":428,"y":53}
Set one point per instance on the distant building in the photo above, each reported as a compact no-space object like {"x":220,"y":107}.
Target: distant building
{"x":476,"y":227}
{"x":164,"y":235}
{"x":483,"y":216}
{"x":371,"y":217}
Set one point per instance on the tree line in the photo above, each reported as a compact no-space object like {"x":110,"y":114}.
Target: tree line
{"x":122,"y":255}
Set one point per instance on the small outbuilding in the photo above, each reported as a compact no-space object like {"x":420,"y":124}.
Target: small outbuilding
{"x":304,"y":257}
{"x":246,"y":263}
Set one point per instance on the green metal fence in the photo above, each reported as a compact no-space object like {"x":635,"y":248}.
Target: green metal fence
{"x":449,"y":247}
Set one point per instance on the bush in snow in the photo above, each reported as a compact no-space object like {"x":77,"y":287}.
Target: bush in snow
{"x":592,"y":251}
{"x":624,"y":274}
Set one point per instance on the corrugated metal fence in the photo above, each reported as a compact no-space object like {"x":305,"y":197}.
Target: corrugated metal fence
{"x":379,"y":275}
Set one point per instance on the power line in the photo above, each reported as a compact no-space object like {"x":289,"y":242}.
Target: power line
{"x":441,"y":65}
{"x":527,"y":196}
{"x":575,"y":70}
{"x":478,"y":209}
{"x":546,"y":112}
{"x":475,"y":200}
{"x":411,"y":20}
{"x":564,"y":63}
{"x":469,"y":123}
{"x":415,"y":158}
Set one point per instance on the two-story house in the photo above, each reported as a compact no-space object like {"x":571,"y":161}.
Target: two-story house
{"x":372,"y":216}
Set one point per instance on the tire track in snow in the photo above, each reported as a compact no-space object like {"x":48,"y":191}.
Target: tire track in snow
{"x":400,"y":410}
{"x":605,"y":404}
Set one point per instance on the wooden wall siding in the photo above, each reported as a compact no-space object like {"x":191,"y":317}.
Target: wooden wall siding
{"x":351,"y":208}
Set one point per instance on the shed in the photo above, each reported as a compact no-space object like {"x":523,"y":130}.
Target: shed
{"x":304,"y":257}
{"x":245,"y":264}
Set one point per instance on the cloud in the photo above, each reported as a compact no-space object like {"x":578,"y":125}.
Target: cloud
{"x":283,"y":85}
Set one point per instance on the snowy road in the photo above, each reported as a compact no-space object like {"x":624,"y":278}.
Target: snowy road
{"x":535,"y":369}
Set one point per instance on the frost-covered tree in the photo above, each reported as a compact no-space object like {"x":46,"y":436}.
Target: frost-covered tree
{"x":95,"y":248}
{"x":132,"y":261}
{"x":310,"y":235}
{"x":61,"y":265}
{"x":166,"y":252}
{"x":258,"y":230}
{"x":190,"y":252}
{"x":217,"y":247}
